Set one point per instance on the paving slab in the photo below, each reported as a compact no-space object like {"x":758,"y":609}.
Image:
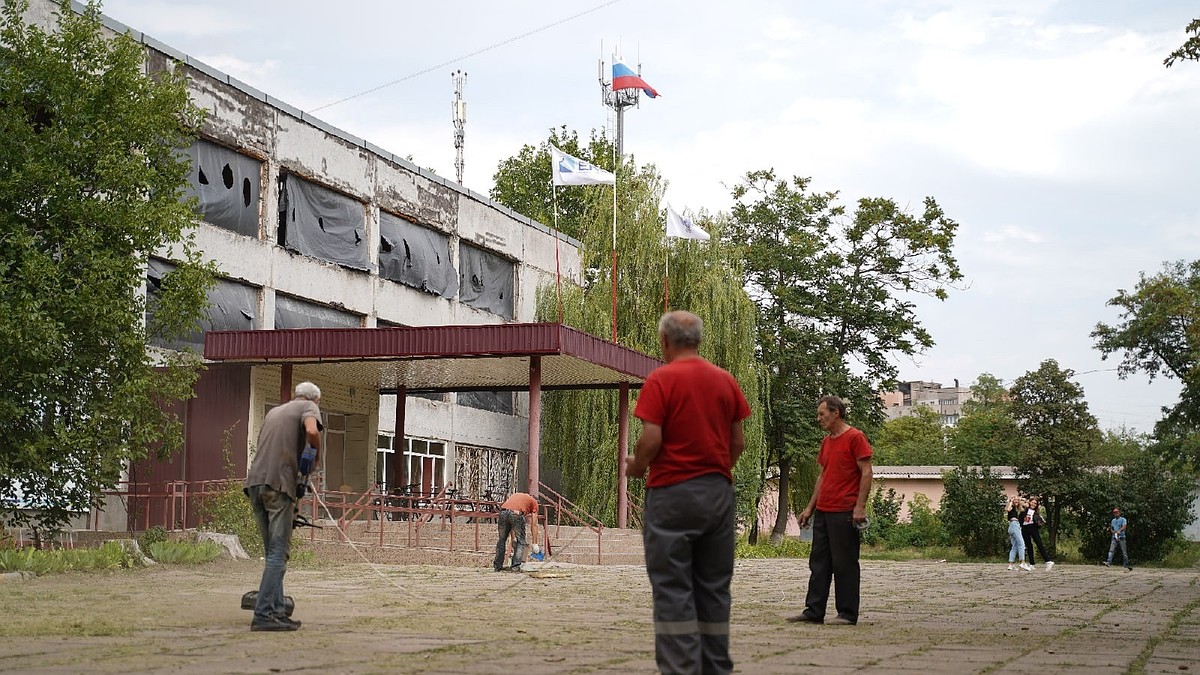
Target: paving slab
{"x":386,"y":617}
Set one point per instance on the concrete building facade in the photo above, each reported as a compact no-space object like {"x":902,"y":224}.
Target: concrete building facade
{"x":947,"y":402}
{"x":313,"y":227}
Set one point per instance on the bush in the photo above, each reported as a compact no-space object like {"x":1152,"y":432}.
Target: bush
{"x":228,"y":511}
{"x":923,"y":529}
{"x":183,"y":552}
{"x":1154,"y":499}
{"x":972,"y":510}
{"x":152,"y":536}
{"x":884,"y":511}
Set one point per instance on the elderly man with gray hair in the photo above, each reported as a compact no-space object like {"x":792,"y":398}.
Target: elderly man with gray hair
{"x":691,"y":412}
{"x":286,"y":433}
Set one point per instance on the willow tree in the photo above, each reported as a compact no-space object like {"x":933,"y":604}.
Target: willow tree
{"x":579,"y":434}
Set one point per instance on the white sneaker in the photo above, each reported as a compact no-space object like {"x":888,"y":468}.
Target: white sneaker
{"x":1049,"y":564}
{"x":1010,"y":567}
{"x":1027,"y":567}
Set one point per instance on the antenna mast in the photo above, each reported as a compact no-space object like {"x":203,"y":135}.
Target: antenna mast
{"x":459,"y":107}
{"x":618,"y":100}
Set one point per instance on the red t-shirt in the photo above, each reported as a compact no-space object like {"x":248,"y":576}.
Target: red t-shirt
{"x":840,"y":475}
{"x":696,"y":404}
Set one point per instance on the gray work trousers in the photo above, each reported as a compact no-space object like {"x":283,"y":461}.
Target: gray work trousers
{"x":689,"y":541}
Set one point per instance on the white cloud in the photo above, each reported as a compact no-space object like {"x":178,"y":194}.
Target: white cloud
{"x":1013,"y":233}
{"x":255,"y":73}
{"x":162,"y":19}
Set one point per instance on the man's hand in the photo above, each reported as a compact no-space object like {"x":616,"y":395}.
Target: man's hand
{"x":633,"y":469}
{"x":860,"y":514}
{"x":804,"y":517}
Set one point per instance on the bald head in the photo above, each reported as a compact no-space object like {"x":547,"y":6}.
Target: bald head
{"x":680,"y":329}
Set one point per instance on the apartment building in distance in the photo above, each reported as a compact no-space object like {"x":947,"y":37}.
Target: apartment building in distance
{"x":946,"y":401}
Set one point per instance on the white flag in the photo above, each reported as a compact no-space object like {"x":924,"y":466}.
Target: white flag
{"x":683,"y":228}
{"x":570,"y":170}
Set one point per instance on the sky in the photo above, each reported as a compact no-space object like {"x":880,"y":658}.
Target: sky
{"x":1050,"y":131}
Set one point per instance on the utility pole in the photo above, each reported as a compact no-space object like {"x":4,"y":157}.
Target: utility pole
{"x":460,"y":120}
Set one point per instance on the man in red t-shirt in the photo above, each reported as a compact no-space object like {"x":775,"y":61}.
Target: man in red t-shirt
{"x":691,"y":412}
{"x":840,"y":502}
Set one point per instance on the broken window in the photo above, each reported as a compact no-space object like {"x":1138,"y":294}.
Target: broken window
{"x":321,"y":223}
{"x":231,"y":306}
{"x":296,"y":313}
{"x":485,"y":281}
{"x":494,"y":401}
{"x":416,"y":256}
{"x":227,"y":185}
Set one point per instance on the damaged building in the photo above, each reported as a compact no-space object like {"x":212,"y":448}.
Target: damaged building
{"x":311,"y":227}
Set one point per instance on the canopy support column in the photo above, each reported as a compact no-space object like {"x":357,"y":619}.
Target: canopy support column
{"x":285,"y":383}
{"x":622,"y":450}
{"x":399,"y":460}
{"x":535,"y":422}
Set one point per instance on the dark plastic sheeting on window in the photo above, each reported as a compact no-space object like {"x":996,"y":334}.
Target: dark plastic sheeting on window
{"x":295,"y":313}
{"x":416,"y":256}
{"x":232,"y":306}
{"x":495,"y":401}
{"x":227,"y":185}
{"x":319,"y":222}
{"x":486,"y":281}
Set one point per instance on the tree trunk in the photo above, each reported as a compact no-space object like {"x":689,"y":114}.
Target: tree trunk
{"x":781,"y":517}
{"x":1053,"y":514}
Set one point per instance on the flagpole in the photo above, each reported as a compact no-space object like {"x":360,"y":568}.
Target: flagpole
{"x":557,"y":267}
{"x":667,"y":274}
{"x":614,"y":260}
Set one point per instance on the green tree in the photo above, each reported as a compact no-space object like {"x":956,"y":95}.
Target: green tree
{"x":90,"y":184}
{"x":1154,"y":497}
{"x":1058,"y":437}
{"x":972,"y":509}
{"x":832,"y":291}
{"x":986,"y":434}
{"x":581,"y":443}
{"x":522,"y":182}
{"x":1159,"y":334}
{"x":1190,"y":50}
{"x":1117,"y":447}
{"x":918,"y":439}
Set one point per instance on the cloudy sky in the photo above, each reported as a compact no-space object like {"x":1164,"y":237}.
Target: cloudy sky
{"x":1049,"y":130}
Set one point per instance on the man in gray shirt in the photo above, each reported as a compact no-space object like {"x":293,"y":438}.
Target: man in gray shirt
{"x":271,"y":486}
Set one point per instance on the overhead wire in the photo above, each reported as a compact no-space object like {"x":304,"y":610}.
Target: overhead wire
{"x":477,"y":52}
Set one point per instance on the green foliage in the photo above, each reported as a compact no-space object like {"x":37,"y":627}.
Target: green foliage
{"x":1120,"y":446}
{"x":705,"y":278}
{"x":154,"y":535}
{"x":111,"y":555}
{"x":883,"y":509}
{"x":918,"y":439}
{"x":1058,"y":434}
{"x":1190,"y":50}
{"x":227,"y":510}
{"x":924,"y":527}
{"x":972,"y":510}
{"x":831,"y":289}
{"x":1155,"y":499}
{"x":184,"y":552}
{"x":1158,"y":335}
{"x":789,"y":547}
{"x":90,"y":185}
{"x":987,"y":434}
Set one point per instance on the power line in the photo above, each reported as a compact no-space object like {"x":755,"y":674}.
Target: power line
{"x":474,"y":53}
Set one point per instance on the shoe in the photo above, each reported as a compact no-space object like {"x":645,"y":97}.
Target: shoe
{"x":840,"y":621}
{"x":497,"y":569}
{"x":1010,"y":567}
{"x":1049,"y":564}
{"x":804,"y":618}
{"x":274,"y":625}
{"x":288,"y":621}
{"x":516,"y":568}
{"x":1128,"y":568}
{"x":1027,"y":567}
{"x":1106,"y":563}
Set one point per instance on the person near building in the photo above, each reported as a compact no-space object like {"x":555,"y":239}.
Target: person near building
{"x":1116,"y":528}
{"x":1016,"y":549}
{"x":691,"y":413}
{"x":836,"y":510}
{"x":1031,"y":531}
{"x":511,"y":522}
{"x":271,"y":484}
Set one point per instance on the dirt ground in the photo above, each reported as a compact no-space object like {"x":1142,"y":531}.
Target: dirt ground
{"x":917,"y":617}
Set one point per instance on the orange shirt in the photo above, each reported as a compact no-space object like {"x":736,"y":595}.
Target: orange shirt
{"x":521,"y":503}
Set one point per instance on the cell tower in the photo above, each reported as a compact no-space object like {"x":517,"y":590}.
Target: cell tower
{"x":618,"y":100}
{"x":460,"y":120}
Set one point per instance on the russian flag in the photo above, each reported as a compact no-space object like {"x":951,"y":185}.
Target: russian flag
{"x":624,"y":78}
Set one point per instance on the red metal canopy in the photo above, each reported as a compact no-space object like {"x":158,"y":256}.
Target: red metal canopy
{"x":442,"y":358}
